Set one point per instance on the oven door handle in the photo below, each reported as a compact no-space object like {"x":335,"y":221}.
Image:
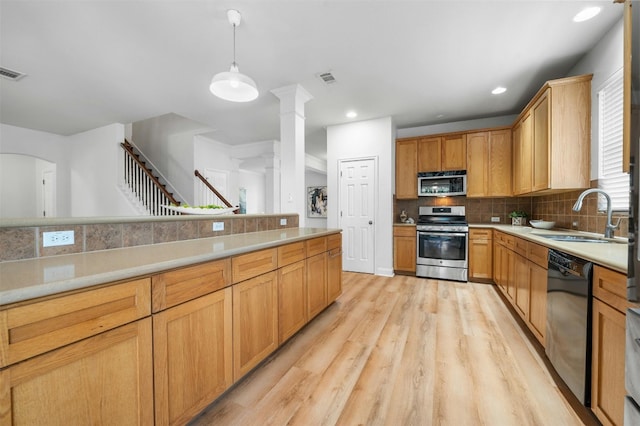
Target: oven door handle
{"x":449,"y":234}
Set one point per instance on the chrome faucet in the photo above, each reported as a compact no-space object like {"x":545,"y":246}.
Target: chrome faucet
{"x":610,"y":227}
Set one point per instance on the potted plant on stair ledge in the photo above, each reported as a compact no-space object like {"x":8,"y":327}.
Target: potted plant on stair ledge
{"x":518,"y":218}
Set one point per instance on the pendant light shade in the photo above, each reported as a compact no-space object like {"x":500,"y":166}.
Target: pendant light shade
{"x":232,"y":85}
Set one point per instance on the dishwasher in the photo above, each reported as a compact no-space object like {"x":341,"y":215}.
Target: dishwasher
{"x":568,"y":330}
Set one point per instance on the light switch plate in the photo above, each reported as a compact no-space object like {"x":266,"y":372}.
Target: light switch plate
{"x":57,"y":238}
{"x":218,"y":226}
{"x":495,"y":219}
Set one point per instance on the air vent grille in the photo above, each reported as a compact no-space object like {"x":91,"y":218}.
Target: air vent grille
{"x":11,"y":74}
{"x":327,"y":77}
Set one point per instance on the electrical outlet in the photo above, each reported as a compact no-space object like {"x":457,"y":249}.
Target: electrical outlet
{"x":495,"y":219}
{"x":57,"y":238}
{"x":218,"y":226}
{"x":283,"y":221}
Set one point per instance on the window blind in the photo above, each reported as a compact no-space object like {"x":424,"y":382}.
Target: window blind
{"x":610,"y":175}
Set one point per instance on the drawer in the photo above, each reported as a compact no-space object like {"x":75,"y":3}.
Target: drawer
{"x":404,"y":231}
{"x":316,"y":246}
{"x":36,"y":328}
{"x":480,"y":234}
{"x":520,"y":246}
{"x":510,"y":242}
{"x":179,"y":286}
{"x":610,"y":287}
{"x":253,"y":264}
{"x":632,"y":354}
{"x":334,"y":241}
{"x":538,"y":254}
{"x":291,"y":253}
{"x":499,"y":237}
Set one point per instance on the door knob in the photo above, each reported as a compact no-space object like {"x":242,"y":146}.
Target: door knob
{"x":370,"y":222}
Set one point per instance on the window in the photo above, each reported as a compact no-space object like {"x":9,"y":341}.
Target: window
{"x":610,"y":175}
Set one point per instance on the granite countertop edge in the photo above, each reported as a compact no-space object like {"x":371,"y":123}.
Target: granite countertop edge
{"x":32,"y":278}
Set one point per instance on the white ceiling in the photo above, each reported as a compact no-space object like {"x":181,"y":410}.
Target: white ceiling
{"x":94,"y":63}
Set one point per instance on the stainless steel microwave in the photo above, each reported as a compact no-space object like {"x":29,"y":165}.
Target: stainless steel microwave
{"x":442,"y":184}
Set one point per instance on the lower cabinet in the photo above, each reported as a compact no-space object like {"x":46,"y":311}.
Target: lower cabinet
{"x":292,"y":300}
{"x":334,"y":274}
{"x":404,"y":249}
{"x":192,"y":351}
{"x":480,"y":254}
{"x":255,"y":322}
{"x":105,"y":379}
{"x":522,"y":281}
{"x":316,"y":284}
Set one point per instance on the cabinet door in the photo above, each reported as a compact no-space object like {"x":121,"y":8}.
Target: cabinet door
{"x":105,"y":379}
{"x":500,"y":159}
{"x":334,"y":274}
{"x":607,"y":372}
{"x":522,"y":281}
{"x":454,"y":152}
{"x":523,"y":156}
{"x":404,"y":248}
{"x":430,"y":154}
{"x":540,"y":114}
{"x":497,"y":266}
{"x":192,"y":345}
{"x":480,"y":259}
{"x":538,"y":301}
{"x":255,"y":322}
{"x":509,"y":271}
{"x":316,"y":284}
{"x":292,"y":300}
{"x":407,"y":169}
{"x":478,"y":164}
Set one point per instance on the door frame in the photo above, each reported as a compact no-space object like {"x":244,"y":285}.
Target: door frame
{"x":375,"y":203}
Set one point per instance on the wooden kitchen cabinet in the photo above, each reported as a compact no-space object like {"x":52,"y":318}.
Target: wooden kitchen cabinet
{"x":537,"y":321}
{"x":481,"y":254}
{"x":407,"y":169}
{"x":255,"y":322}
{"x":317,"y":298}
{"x":441,"y":153}
{"x":522,"y":281}
{"x":192,"y":355}
{"x":404,"y":249}
{"x":292,"y":300}
{"x":489,"y":161}
{"x":607,"y":372}
{"x":104,"y":379}
{"x":454,"y":152}
{"x":430,"y":154}
{"x":552,"y":138}
{"x":334,"y":267}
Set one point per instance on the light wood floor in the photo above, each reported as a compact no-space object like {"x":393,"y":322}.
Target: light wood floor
{"x":401,"y":351}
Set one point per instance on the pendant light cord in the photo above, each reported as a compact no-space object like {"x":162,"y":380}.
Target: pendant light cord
{"x":234,"y":45}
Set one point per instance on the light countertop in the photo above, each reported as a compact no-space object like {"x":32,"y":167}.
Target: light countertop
{"x":613,"y":256}
{"x":27,"y":279}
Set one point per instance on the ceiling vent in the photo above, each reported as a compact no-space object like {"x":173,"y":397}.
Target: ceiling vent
{"x":11,"y":74}
{"x":327,"y":77}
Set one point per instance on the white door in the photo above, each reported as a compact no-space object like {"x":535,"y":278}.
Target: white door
{"x":357,"y":214}
{"x":48,"y":193}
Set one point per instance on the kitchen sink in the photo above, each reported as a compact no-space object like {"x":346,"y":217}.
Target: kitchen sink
{"x":578,"y":239}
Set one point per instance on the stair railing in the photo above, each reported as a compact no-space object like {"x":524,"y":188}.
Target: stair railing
{"x":146,"y":187}
{"x":212,"y":189}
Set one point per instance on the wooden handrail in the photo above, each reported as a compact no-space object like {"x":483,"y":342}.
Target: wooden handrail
{"x":206,"y":182}
{"x":128,"y":148}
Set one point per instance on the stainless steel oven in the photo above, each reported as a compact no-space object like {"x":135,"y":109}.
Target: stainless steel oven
{"x":442,"y":243}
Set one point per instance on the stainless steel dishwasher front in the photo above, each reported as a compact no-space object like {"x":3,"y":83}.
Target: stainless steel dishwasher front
{"x":568,"y":330}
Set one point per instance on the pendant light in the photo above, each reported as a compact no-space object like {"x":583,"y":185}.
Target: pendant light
{"x":232,"y":85}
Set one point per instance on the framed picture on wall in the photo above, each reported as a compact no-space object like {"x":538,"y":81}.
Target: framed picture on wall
{"x":316,"y":201}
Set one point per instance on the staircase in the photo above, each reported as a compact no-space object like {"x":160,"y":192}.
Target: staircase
{"x":145,"y":185}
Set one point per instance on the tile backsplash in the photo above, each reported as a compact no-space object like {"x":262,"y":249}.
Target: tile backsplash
{"x":17,"y":243}
{"x":553,"y":207}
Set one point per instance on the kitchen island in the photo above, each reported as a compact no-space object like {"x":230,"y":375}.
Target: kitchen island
{"x":152,"y":334}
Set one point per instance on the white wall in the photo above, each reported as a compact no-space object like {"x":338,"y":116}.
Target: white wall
{"x":46,"y":146}
{"x":18,"y":183}
{"x":371,"y":138}
{"x":254,"y":183}
{"x":95,"y":158}
{"x":318,"y":179}
{"x":602,"y":61}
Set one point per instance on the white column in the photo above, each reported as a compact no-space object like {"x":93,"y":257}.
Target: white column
{"x":292,"y":155}
{"x":272,"y":182}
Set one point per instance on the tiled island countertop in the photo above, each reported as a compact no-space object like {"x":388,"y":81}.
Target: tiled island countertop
{"x":27,"y":279}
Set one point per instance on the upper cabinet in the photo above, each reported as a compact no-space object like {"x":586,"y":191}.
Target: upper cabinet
{"x":407,"y":169}
{"x":552,"y":138}
{"x":489,"y":163}
{"x":440,"y":153}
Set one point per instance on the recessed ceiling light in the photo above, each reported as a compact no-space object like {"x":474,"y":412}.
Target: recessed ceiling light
{"x":351,"y":114}
{"x":586,"y":14}
{"x":498,"y":90}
